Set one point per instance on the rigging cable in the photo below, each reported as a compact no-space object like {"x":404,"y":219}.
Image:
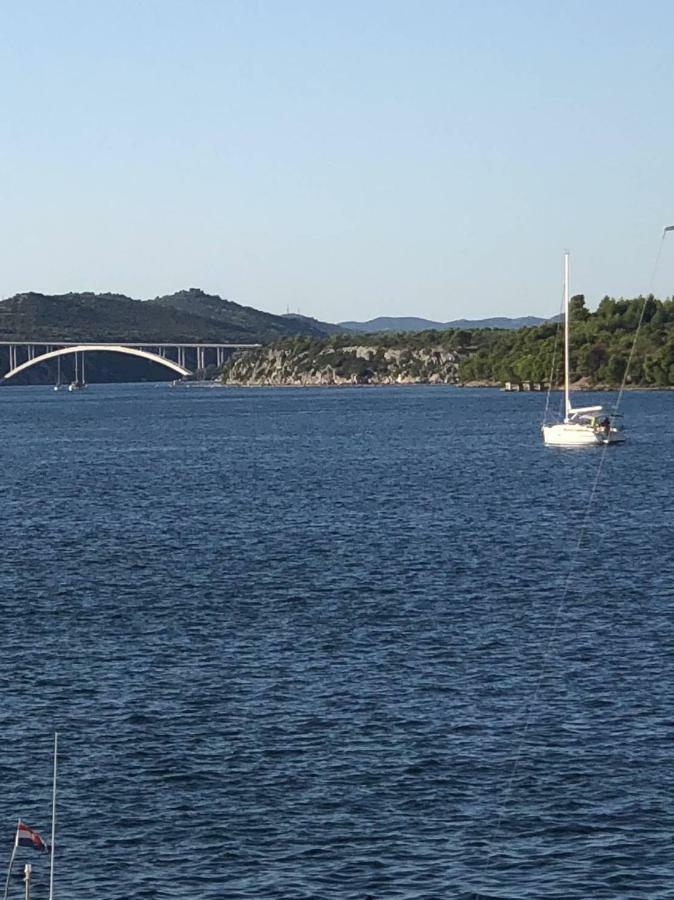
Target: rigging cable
{"x":547,"y":650}
{"x":641,"y":316}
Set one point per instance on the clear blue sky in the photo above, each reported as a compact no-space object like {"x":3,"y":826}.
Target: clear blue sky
{"x":351,"y":159}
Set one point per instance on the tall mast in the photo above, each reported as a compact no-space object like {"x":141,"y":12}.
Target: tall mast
{"x":567,"y":398}
{"x":53,"y":821}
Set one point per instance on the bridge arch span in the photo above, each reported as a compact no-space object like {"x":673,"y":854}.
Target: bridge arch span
{"x":101,"y":348}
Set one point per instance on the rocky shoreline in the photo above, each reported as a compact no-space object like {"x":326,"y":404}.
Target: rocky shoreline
{"x":354,"y":381}
{"x":311,"y":363}
{"x":341,"y":366}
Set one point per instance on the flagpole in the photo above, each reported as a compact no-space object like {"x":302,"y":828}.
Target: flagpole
{"x":53,"y":821}
{"x":11,"y":861}
{"x":27,"y":875}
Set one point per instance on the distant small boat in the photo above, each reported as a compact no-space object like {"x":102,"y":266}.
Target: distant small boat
{"x":583,"y":426}
{"x":78,"y":383}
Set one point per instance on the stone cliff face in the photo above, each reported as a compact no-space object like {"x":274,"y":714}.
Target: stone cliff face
{"x":330,"y":365}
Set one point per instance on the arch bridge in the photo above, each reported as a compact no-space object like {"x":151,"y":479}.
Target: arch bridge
{"x":184,"y":359}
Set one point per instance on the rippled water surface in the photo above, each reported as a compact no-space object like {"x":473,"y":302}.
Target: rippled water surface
{"x":316,"y":644}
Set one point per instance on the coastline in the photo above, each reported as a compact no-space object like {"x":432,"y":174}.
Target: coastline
{"x":482,"y":385}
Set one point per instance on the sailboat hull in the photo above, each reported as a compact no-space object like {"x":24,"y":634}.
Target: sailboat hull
{"x":570,"y":434}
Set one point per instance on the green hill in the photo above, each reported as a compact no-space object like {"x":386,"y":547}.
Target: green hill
{"x":245,"y":320}
{"x":190,"y":316}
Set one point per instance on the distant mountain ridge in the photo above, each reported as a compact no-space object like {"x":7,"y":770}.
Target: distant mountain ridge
{"x":190,"y":315}
{"x":412,"y":323}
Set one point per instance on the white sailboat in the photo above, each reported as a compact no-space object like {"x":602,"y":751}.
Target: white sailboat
{"x":79,"y":383}
{"x":582,"y":426}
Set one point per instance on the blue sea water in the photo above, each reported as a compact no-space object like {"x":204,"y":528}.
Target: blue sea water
{"x":331,"y":643}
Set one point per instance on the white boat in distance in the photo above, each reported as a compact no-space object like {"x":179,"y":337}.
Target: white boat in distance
{"x":78,"y":384}
{"x":584,"y":426}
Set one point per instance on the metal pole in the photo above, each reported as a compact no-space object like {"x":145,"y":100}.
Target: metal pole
{"x":11,"y":861}
{"x":567,"y":397}
{"x":53,"y":821}
{"x":27,"y":872}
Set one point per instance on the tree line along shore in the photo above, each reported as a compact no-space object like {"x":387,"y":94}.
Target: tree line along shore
{"x":602,"y":343}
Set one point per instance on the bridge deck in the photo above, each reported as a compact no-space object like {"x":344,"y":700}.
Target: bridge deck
{"x":55,"y":343}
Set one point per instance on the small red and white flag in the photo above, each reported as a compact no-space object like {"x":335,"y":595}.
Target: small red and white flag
{"x":28,"y":837}
{"x":25,"y":837}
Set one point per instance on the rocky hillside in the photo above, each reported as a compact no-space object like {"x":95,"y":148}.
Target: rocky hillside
{"x":306,"y":362}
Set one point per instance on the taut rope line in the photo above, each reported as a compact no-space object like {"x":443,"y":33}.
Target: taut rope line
{"x":641,"y":318}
